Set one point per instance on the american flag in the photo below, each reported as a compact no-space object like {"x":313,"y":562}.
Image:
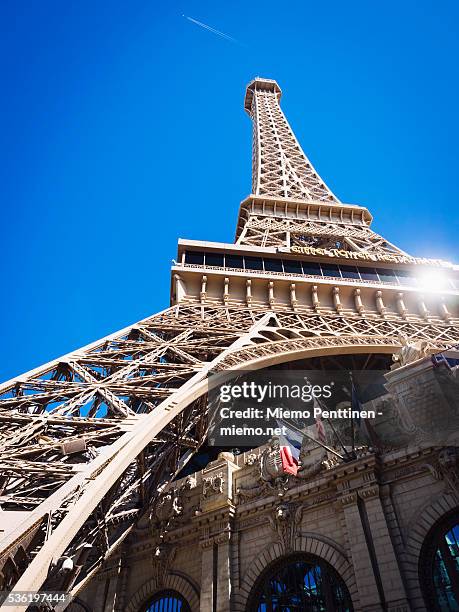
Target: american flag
{"x":320,"y":431}
{"x":364,"y":425}
{"x":321,"y":435}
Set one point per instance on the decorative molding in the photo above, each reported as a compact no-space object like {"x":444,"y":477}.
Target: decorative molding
{"x":162,"y":559}
{"x":285,"y":521}
{"x":213,"y":485}
{"x":175,"y":581}
{"x":329,"y":552}
{"x":130,"y":407}
{"x":445,"y":469}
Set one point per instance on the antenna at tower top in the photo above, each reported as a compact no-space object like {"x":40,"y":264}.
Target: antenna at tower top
{"x":260,"y":84}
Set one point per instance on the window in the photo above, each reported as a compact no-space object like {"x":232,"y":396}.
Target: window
{"x":292,"y":266}
{"x":312,"y":268}
{"x":439,"y":565}
{"x":253,"y":263}
{"x":386,"y":276}
{"x":273,"y":265}
{"x":330,"y":270}
{"x":401,"y":276}
{"x":167,"y":601}
{"x":300,"y":583}
{"x":234,"y":261}
{"x":214,"y":259}
{"x":369,"y":274}
{"x":350,"y":272}
{"x":194,"y":257}
{"x":405,"y":277}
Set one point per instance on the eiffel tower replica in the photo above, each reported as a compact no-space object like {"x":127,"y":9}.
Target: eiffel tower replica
{"x":88,"y":440}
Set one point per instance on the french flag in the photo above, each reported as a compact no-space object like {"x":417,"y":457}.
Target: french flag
{"x":290,"y":445}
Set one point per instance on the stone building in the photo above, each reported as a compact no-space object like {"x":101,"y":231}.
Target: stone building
{"x":370,"y":527}
{"x":364,"y":534}
{"x":111,"y":489}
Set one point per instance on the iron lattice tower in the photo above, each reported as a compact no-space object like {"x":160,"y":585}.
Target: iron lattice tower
{"x":87,"y":440}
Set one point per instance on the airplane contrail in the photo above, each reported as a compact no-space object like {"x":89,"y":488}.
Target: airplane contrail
{"x":212,"y":30}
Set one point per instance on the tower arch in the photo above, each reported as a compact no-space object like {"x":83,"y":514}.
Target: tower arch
{"x":307,"y":276}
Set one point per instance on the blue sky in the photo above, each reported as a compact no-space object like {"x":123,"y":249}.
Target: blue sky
{"x":123,"y":129}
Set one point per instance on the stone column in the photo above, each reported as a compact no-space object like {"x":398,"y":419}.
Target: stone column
{"x":110,"y":602}
{"x":391,"y":578}
{"x":207,"y":577}
{"x":224,"y":585}
{"x":216,"y":588}
{"x":215,"y":518}
{"x":102,"y":588}
{"x":369,"y":594}
{"x":107,"y":590}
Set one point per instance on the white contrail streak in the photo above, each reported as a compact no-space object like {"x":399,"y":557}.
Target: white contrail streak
{"x":209,"y":29}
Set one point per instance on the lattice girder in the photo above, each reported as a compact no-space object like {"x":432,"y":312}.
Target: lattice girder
{"x":269,"y":231}
{"x":163,"y":428}
{"x":280,"y":167}
{"x":88,"y":440}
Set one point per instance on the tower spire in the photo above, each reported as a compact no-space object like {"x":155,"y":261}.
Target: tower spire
{"x":279,"y":166}
{"x":96,"y":442}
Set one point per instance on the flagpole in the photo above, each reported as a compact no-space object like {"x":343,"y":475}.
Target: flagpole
{"x":370,"y":433}
{"x":303,"y":433}
{"x":352,"y":416}
{"x":339,"y":439}
{"x":317,"y":401}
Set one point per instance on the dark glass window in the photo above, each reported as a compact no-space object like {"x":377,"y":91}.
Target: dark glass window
{"x":330,"y":270}
{"x":167,"y":601}
{"x":194,"y":257}
{"x":300,"y":583}
{"x":253,"y":263}
{"x":234,"y":261}
{"x":349,"y":272}
{"x":273,"y":265}
{"x":292,"y":266}
{"x":214,"y":259}
{"x":310,"y":267}
{"x":369,"y":274}
{"x":405,"y":277}
{"x":386,"y":276}
{"x":439,"y":566}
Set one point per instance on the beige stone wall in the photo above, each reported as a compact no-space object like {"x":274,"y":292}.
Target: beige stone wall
{"x":244,"y":539}
{"x":367,"y":519}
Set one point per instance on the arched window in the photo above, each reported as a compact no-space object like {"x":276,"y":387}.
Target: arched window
{"x":77,"y":605}
{"x":299,"y":582}
{"x":439,"y":565}
{"x":167,"y":601}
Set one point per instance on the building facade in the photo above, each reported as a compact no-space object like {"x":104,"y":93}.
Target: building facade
{"x":116,"y":513}
{"x":371,"y":527}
